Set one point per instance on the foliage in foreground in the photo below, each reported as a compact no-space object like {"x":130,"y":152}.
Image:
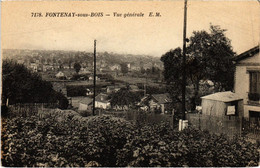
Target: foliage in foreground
{"x":63,"y":138}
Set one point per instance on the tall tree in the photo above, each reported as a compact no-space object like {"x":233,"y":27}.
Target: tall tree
{"x":77,"y":67}
{"x":209,"y":57}
{"x":124,"y":97}
{"x":172,"y":72}
{"x":212,"y":53}
{"x":22,"y":86}
{"x":124,"y":68}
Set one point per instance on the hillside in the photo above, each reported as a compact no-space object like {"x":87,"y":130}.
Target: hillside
{"x":69,"y":57}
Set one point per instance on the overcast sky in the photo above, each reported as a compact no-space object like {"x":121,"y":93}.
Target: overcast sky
{"x":150,"y":36}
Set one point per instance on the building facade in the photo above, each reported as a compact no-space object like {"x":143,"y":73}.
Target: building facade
{"x":247,"y":81}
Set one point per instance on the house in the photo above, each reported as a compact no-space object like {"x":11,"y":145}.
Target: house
{"x":85,"y":104}
{"x":47,"y":67}
{"x":222,"y":104}
{"x":148,"y":65}
{"x":247,"y":82}
{"x":134,"y":88}
{"x":84,"y":71}
{"x":102,"y":101}
{"x":37,"y":61}
{"x":144,"y":103}
{"x":76,"y":101}
{"x":111,"y":89}
{"x":115,"y":67}
{"x":66,"y":66}
{"x":135,"y":68}
{"x":129,"y":66}
{"x":103,"y":64}
{"x":160,"y":101}
{"x":156,"y":103}
{"x":34,"y":67}
{"x":104,"y":70}
{"x":92,"y":78}
{"x":60,"y":75}
{"x":89,"y":92}
{"x":121,"y":107}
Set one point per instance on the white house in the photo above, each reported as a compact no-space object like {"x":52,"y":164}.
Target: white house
{"x":115,"y":67}
{"x":91,"y":78}
{"x":102,"y":101}
{"x":247,"y":81}
{"x":60,"y":75}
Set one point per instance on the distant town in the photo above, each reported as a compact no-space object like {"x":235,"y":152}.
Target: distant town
{"x":71,"y":72}
{"x":195,"y":105}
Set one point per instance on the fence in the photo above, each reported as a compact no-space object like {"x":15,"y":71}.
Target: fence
{"x":142,"y":118}
{"x":229,"y":125}
{"x":28,"y":109}
{"x":251,"y":128}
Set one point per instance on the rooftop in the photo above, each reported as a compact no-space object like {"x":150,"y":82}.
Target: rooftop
{"x":102,"y":98}
{"x":246,"y":54}
{"x":223,"y":96}
{"x":162,"y":98}
{"x":85,"y":100}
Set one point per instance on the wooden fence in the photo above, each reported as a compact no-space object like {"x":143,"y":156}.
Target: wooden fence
{"x":251,"y":128}
{"x":28,"y":109}
{"x":142,"y":118}
{"x":228,"y":125}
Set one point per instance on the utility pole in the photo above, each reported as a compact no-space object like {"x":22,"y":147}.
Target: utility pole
{"x":184,"y":62}
{"x":94,"y":84}
{"x":145,"y":86}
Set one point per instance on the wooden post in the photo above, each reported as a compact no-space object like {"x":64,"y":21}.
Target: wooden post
{"x":184,"y":62}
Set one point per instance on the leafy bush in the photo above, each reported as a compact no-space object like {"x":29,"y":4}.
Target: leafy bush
{"x":64,"y":138}
{"x":73,"y":91}
{"x":157,"y":146}
{"x":125,"y":97}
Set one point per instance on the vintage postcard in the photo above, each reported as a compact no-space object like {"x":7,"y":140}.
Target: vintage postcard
{"x":173,"y":83}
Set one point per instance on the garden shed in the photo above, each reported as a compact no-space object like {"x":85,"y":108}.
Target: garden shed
{"x":222,"y":104}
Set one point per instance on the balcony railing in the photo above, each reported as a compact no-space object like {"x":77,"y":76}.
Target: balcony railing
{"x":254,"y":98}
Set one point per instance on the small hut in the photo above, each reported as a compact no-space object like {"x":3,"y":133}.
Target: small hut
{"x":222,"y":104}
{"x":85,"y":104}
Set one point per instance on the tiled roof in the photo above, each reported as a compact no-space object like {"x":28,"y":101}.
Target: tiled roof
{"x":102,"y":98}
{"x":247,"y":54}
{"x":162,"y":98}
{"x":86,"y":100}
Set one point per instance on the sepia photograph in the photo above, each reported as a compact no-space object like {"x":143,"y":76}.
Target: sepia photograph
{"x":120,"y":83}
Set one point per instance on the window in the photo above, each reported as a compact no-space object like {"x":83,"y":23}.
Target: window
{"x":254,"y":82}
{"x":254,"y":94}
{"x":254,"y":118}
{"x":232,"y":108}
